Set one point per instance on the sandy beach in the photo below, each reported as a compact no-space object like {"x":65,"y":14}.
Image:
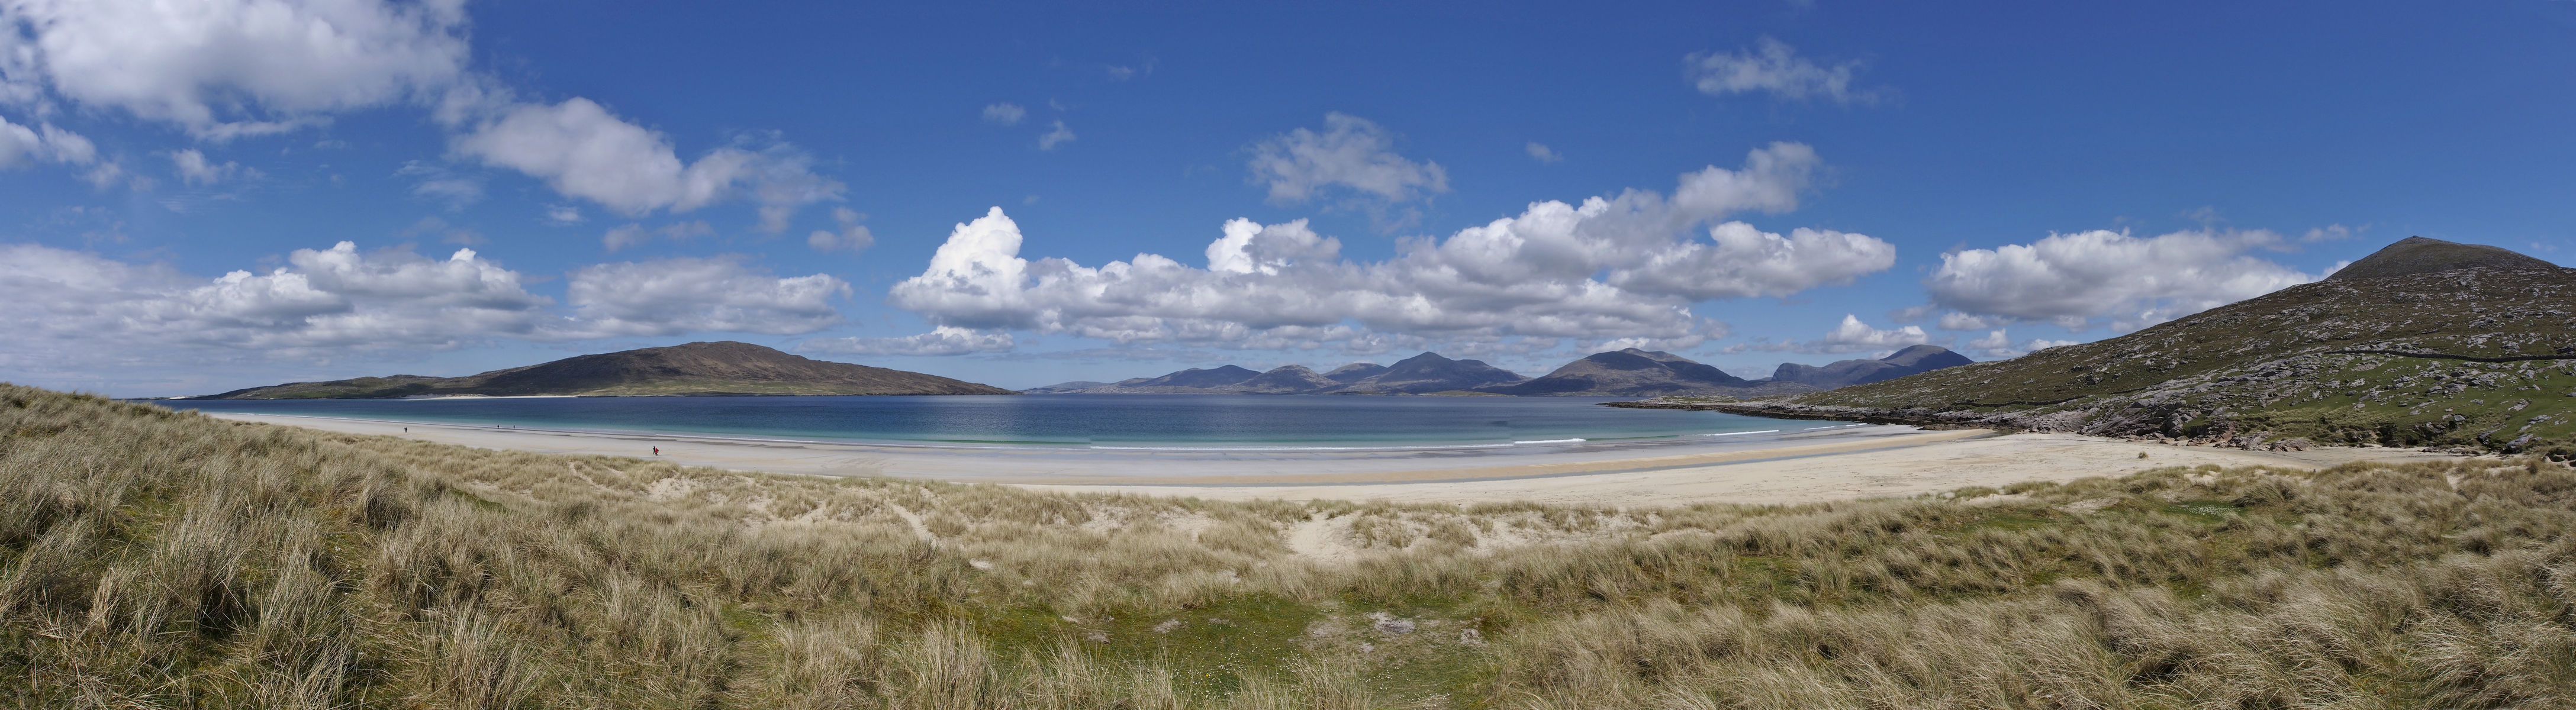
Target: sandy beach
{"x":1826,"y":463}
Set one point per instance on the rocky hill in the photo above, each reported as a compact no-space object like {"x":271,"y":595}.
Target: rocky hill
{"x":1625,"y":373}
{"x":1429,"y":372}
{"x":1639,"y":373}
{"x":1912,"y":360}
{"x":1420,"y":374}
{"x":2426,"y":343}
{"x":1286,"y":379}
{"x":720,"y":368}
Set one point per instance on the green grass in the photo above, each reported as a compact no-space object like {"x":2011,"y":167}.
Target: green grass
{"x":154,"y":559}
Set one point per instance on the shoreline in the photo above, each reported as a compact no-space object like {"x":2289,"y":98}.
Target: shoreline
{"x":1833,"y":463}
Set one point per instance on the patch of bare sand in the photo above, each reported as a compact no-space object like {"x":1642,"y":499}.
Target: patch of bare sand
{"x":1841,"y":466}
{"x":1911,"y":470}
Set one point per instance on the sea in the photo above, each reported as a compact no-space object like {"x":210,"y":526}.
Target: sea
{"x":1109,"y":422}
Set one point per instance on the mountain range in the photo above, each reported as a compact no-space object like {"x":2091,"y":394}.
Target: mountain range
{"x":719,"y":368}
{"x":1625,"y":373}
{"x":2423,"y":343}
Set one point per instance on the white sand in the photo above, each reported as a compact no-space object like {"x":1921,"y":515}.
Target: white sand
{"x":1850,"y":462}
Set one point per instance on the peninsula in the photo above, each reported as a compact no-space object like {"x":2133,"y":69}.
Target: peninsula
{"x":694,"y":369}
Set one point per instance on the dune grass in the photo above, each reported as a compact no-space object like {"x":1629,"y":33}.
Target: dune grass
{"x":159,"y":559}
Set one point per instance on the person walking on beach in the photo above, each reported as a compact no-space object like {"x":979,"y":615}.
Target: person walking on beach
{"x":657,"y":451}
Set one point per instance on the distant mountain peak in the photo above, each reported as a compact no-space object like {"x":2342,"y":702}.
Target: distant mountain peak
{"x":1911,"y":360}
{"x":2420,"y":255}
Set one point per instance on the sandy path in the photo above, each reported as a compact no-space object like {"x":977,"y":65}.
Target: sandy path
{"x":1823,"y":465}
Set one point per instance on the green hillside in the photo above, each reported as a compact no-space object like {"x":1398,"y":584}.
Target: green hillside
{"x":2481,"y":357}
{"x":152,"y":559}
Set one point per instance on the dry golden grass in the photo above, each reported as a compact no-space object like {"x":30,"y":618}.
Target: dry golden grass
{"x":156,"y":559}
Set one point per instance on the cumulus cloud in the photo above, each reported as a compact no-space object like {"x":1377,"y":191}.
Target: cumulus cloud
{"x":1852,"y":336}
{"x":944,"y":340}
{"x":1351,"y":153}
{"x":195,"y":169}
{"x":851,"y":237}
{"x":1541,"y":153}
{"x":673,"y":296}
{"x":21,"y":146}
{"x":222,"y":69}
{"x":1005,"y":114}
{"x":1627,"y":266}
{"x":2073,"y":279}
{"x":74,"y":309}
{"x":1998,"y":345}
{"x":1740,"y":261}
{"x":562,"y":215}
{"x":1773,"y":66}
{"x":227,"y":68}
{"x":582,"y":150}
{"x":1060,"y":136}
{"x":323,"y":299}
{"x":1954,"y":320}
{"x":635,"y":234}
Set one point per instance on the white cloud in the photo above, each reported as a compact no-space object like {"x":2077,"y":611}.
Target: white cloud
{"x":852,"y":237}
{"x":73,"y":311}
{"x":195,"y":169}
{"x":1775,"y":67}
{"x":1005,"y":114}
{"x":1608,"y":268}
{"x":226,"y":68}
{"x":944,"y":340}
{"x":1954,"y":320}
{"x":562,"y":215}
{"x":21,"y":146}
{"x":1739,"y":261}
{"x":437,"y":182}
{"x":1541,"y":153}
{"x":1997,"y":345}
{"x":76,"y":304}
{"x":582,"y":150}
{"x":1060,"y":136}
{"x":1852,"y":336}
{"x":635,"y":234}
{"x":673,"y":296}
{"x":624,"y":236}
{"x":1351,"y":153}
{"x":2072,"y":279}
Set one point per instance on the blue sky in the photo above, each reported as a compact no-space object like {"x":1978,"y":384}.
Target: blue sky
{"x":1992,"y":178}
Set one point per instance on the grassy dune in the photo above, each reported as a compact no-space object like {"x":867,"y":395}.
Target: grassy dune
{"x":156,"y":559}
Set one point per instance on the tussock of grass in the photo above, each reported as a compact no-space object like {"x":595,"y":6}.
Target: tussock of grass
{"x":152,"y":559}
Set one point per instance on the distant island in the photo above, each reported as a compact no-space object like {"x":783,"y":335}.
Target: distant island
{"x":695,"y":369}
{"x":1624,"y":373}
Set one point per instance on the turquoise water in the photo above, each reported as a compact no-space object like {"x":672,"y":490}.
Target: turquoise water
{"x":1199,"y":422}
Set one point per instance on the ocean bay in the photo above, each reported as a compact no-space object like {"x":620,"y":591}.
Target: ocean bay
{"x":1186,"y":422}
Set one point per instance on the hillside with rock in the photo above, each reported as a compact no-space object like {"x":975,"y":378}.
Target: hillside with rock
{"x":1625,"y":373}
{"x":1641,"y":373}
{"x":718,"y":368}
{"x":2426,"y":343}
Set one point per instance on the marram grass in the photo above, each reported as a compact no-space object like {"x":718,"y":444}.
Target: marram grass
{"x":159,"y":559}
